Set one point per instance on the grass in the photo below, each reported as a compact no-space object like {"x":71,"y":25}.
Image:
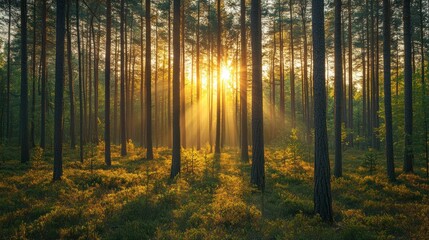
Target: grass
{"x":211,"y":199}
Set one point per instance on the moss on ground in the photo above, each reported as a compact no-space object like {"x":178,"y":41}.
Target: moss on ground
{"x":211,"y":199}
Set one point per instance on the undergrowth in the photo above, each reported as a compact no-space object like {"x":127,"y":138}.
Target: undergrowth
{"x":211,"y":199}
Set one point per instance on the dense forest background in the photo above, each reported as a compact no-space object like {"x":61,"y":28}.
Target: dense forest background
{"x":97,"y":89}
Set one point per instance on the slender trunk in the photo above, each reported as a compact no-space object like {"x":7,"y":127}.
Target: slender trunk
{"x":183,"y":80}
{"x":305,"y":75}
{"x":80,"y":70}
{"x":338,"y":90}
{"x":218,"y":90}
{"x":122,"y":107}
{"x":198,"y":80}
{"x":243,"y":84}
{"x":258,"y":161}
{"x":142,"y":123}
{"x":8,"y":112}
{"x":292,"y":69}
{"x":350,"y":68}
{"x":425,"y":123}
{"x":115,"y":97}
{"x":70,"y":73}
{"x":175,"y":163}
{"x":408,"y":81}
{"x":25,"y":148}
{"x":59,"y":90}
{"x":33,"y":74}
{"x":96,"y":41}
{"x":107,"y":84}
{"x":149,"y":153}
{"x":169,"y":78}
{"x":44,"y":80}
{"x":388,"y":91}
{"x":282,"y":78}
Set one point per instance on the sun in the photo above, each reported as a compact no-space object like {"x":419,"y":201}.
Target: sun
{"x":225,"y":74}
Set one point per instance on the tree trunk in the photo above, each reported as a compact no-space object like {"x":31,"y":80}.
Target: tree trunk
{"x":149,"y":153}
{"x":25,"y":148}
{"x":243,"y":84}
{"x":59,"y":90}
{"x":408,"y":81}
{"x":80,"y":70}
{"x":122,"y":107}
{"x":33,"y":75}
{"x":218,"y":90}
{"x":8,"y":112}
{"x":70,"y":72}
{"x":44,"y":80}
{"x":183,"y":80}
{"x":169,"y":78}
{"x":388,"y":91}
{"x":142,"y":66}
{"x":107,"y":84}
{"x":350,"y":68}
{"x":425,"y":137}
{"x":322,"y":182}
{"x":292,"y":69}
{"x":175,"y":163}
{"x":338,"y":90}
{"x":198,"y":80}
{"x":282,"y":77}
{"x":258,"y":161}
{"x":305,"y":73}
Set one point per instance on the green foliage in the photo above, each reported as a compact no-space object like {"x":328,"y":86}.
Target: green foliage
{"x":370,"y":160}
{"x":134,"y":199}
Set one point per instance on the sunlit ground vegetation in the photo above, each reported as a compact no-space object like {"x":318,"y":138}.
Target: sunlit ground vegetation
{"x":210,"y":199}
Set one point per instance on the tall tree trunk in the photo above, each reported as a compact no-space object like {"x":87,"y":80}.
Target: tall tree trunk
{"x":80,"y":70}
{"x":210,"y":75}
{"x":183,"y":76}
{"x":292,"y":69}
{"x":25,"y":148}
{"x":8,"y":112}
{"x":156,"y":82}
{"x":243,"y":84}
{"x":96,"y":41}
{"x":377,"y":81}
{"x":198,"y":80}
{"x":70,"y":73}
{"x":59,"y":90}
{"x":175,"y":163}
{"x":115,"y":97}
{"x":142,"y":66}
{"x":169,"y":79}
{"x":388,"y":91}
{"x":305,"y":73}
{"x":364,"y":82}
{"x":122,"y":107}
{"x":149,"y":153}
{"x":219,"y":57}
{"x":350,"y":68}
{"x":282,"y":77}
{"x":425,"y":123}
{"x":258,"y":161}
{"x":408,"y":81}
{"x":107,"y":84}
{"x":33,"y":75}
{"x":322,"y":182}
{"x":338,"y":90}
{"x":44,"y":80}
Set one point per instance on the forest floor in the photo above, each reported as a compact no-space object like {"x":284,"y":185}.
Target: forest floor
{"x":211,"y":199}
